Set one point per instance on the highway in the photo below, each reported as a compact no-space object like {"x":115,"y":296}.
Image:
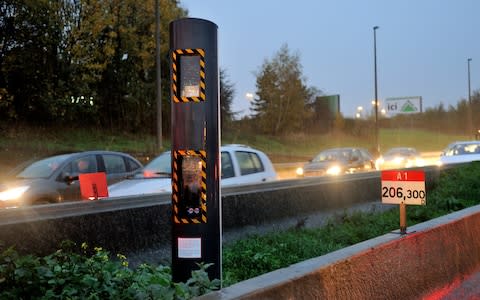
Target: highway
{"x":287,"y":170}
{"x":115,"y":223}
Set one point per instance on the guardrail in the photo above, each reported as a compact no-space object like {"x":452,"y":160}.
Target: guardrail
{"x":133,"y":224}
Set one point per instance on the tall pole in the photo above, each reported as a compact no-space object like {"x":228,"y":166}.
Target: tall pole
{"x":158,"y":78}
{"x":470,"y":125}
{"x":377,"y":143}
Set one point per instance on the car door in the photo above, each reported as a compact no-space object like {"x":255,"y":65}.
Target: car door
{"x":79,"y":165}
{"x":228,"y":169}
{"x":249,"y":169}
{"x":356,"y":160}
{"x":115,"y":167}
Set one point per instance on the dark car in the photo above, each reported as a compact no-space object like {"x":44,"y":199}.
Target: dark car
{"x":338,"y":161}
{"x":56,"y":178}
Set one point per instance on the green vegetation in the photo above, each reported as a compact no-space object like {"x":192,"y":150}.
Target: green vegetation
{"x":17,"y":144}
{"x":423,"y":140}
{"x":83,"y":62}
{"x":457,"y":189}
{"x":67,"y":274}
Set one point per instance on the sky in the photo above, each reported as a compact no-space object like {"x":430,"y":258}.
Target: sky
{"x":422,"y":46}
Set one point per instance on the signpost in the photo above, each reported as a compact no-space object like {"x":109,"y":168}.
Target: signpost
{"x":404,"y":105}
{"x":403,"y":187}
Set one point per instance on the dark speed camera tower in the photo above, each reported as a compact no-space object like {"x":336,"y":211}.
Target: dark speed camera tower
{"x":196,"y":225}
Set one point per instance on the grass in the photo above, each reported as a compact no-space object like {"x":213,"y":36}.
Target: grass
{"x":305,"y":146}
{"x":424,"y":141}
{"x":18,"y":144}
{"x":246,"y":258}
{"x":260,"y":254}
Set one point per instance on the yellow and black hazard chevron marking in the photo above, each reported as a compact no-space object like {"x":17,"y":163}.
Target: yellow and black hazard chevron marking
{"x":175,"y":68}
{"x":178,"y":216}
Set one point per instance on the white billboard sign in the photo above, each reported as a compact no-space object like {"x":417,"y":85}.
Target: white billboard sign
{"x":404,"y":105}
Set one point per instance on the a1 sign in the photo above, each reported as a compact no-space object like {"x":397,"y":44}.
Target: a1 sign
{"x":403,"y":187}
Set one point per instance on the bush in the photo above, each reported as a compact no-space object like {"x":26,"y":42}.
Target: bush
{"x":88,"y":274}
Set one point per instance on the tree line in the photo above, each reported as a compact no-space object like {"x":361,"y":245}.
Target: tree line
{"x":92,"y":63}
{"x":87,"y":63}
{"x":284,"y":103}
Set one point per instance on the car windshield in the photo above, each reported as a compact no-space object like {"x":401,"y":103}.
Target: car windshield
{"x":161,"y":166}
{"x":42,"y":168}
{"x":333,"y":155}
{"x":462,"y":149}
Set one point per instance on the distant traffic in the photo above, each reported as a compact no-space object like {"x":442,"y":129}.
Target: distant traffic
{"x":55,"y":179}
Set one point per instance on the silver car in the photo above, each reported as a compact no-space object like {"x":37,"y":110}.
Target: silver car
{"x":239,"y":165}
{"x":460,"y":152}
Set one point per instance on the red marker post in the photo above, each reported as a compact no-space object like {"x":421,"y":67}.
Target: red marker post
{"x":403,"y":188}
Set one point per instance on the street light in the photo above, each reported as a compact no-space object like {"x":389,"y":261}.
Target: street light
{"x":376,"y":94}
{"x":359,"y":112}
{"x":470,"y":124}
{"x":158,"y":79}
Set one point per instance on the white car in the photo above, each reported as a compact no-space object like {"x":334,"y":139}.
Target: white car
{"x":240,"y":165}
{"x":460,"y":152}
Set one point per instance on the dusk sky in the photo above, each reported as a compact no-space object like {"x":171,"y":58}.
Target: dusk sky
{"x":422,"y":46}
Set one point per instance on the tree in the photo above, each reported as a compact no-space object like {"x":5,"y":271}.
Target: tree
{"x":115,"y":59}
{"x":227,"y":92}
{"x":83,"y":61}
{"x":33,"y":57}
{"x":282,"y":95}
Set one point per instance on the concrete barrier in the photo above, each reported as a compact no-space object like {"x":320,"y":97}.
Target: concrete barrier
{"x":431,"y":256}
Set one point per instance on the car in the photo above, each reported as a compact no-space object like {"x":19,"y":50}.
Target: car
{"x":240,"y":165}
{"x":338,"y":161}
{"x":460,"y":152}
{"x":55,"y":179}
{"x":400,"y":157}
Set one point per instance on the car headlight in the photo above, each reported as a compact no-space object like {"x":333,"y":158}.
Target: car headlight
{"x":398,"y":160}
{"x":419,"y":162}
{"x":299,"y":171}
{"x":379,"y":162}
{"x":335,"y":170}
{"x":409,"y":164}
{"x":13,"y":193}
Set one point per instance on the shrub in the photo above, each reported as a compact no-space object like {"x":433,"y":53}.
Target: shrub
{"x":91,"y":274}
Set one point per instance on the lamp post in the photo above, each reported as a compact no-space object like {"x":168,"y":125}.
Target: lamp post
{"x":158,"y":82}
{"x":470,"y":124}
{"x":377,"y":145}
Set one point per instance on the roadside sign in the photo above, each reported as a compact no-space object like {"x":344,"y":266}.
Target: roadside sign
{"x":404,"y":105}
{"x":403,"y":187}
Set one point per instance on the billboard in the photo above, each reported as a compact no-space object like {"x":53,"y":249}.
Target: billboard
{"x":403,"y":105}
{"x":328,"y":106}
